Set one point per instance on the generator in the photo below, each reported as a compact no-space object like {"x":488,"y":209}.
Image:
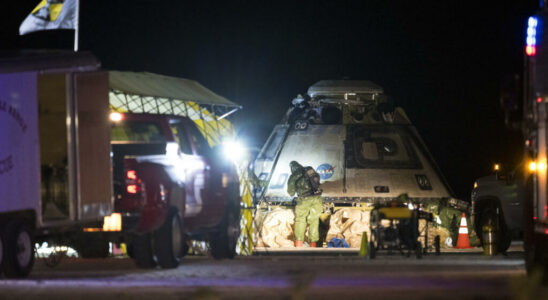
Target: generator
{"x":395,"y":228}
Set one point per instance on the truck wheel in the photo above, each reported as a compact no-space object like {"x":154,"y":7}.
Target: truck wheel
{"x":18,"y":250}
{"x":503,"y":238}
{"x":141,"y":248}
{"x":223,"y":244}
{"x":93,"y":246}
{"x":168,"y":241}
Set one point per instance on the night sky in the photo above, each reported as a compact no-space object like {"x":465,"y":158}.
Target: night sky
{"x":444,"y":62}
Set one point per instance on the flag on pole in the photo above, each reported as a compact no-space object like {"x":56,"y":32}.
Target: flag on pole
{"x":51,"y":14}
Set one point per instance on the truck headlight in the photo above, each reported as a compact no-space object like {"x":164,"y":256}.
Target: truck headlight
{"x":116,"y":116}
{"x":112,"y":222}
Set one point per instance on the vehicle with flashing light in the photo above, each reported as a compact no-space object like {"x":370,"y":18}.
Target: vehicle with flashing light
{"x":54,"y":153}
{"x":170,"y":186}
{"x":535,"y":121}
{"x":497,"y":201}
{"x":366,"y":151}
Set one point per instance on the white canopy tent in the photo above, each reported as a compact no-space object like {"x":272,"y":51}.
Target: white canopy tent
{"x":144,"y":92}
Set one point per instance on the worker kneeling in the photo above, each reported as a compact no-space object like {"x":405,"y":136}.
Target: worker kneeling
{"x":306,"y":183}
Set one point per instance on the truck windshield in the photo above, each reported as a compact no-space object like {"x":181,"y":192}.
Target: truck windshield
{"x":129,"y":131}
{"x":179,"y":131}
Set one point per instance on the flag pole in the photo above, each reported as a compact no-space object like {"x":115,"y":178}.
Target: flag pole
{"x":76,"y":25}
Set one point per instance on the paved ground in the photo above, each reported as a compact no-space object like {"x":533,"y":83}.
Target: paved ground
{"x":463,"y":275}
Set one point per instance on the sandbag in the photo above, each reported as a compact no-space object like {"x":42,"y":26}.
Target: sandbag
{"x":349,"y":224}
{"x":276,"y":230}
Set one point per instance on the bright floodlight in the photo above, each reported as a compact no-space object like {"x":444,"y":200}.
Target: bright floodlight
{"x":541,"y":165}
{"x":233,"y":150}
{"x":532,"y":166}
{"x":116,"y":116}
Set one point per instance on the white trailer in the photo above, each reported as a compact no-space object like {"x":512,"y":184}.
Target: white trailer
{"x":55,"y":174}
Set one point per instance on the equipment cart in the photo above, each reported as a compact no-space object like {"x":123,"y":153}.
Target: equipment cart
{"x":396,"y":228}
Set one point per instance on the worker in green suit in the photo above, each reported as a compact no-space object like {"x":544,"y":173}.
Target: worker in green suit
{"x":305,"y":182}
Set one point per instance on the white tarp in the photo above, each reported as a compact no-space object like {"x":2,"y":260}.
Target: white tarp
{"x":155,"y":85}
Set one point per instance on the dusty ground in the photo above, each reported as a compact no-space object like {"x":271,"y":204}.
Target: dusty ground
{"x":464,"y":275}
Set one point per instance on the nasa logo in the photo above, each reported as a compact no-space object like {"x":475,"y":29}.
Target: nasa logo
{"x":326,"y":171}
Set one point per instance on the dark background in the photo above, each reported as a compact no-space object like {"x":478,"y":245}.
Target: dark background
{"x":444,"y":62}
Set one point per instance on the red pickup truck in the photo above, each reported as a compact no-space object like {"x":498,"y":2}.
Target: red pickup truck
{"x":170,"y":186}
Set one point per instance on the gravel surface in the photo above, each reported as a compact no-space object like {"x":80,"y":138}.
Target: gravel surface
{"x":448,"y":276}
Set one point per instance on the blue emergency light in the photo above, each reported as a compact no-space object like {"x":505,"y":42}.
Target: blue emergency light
{"x":531,"y":41}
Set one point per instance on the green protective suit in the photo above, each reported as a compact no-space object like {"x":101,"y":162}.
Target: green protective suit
{"x":307,"y":210}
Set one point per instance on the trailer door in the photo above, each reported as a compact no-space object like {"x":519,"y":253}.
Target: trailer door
{"x":19,"y":161}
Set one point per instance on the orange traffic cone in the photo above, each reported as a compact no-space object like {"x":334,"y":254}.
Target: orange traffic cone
{"x":463,"y":242}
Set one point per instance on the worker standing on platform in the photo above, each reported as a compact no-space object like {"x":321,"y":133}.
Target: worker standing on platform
{"x":306,"y":183}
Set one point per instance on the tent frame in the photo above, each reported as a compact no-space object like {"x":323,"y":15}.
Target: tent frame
{"x":124,"y":102}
